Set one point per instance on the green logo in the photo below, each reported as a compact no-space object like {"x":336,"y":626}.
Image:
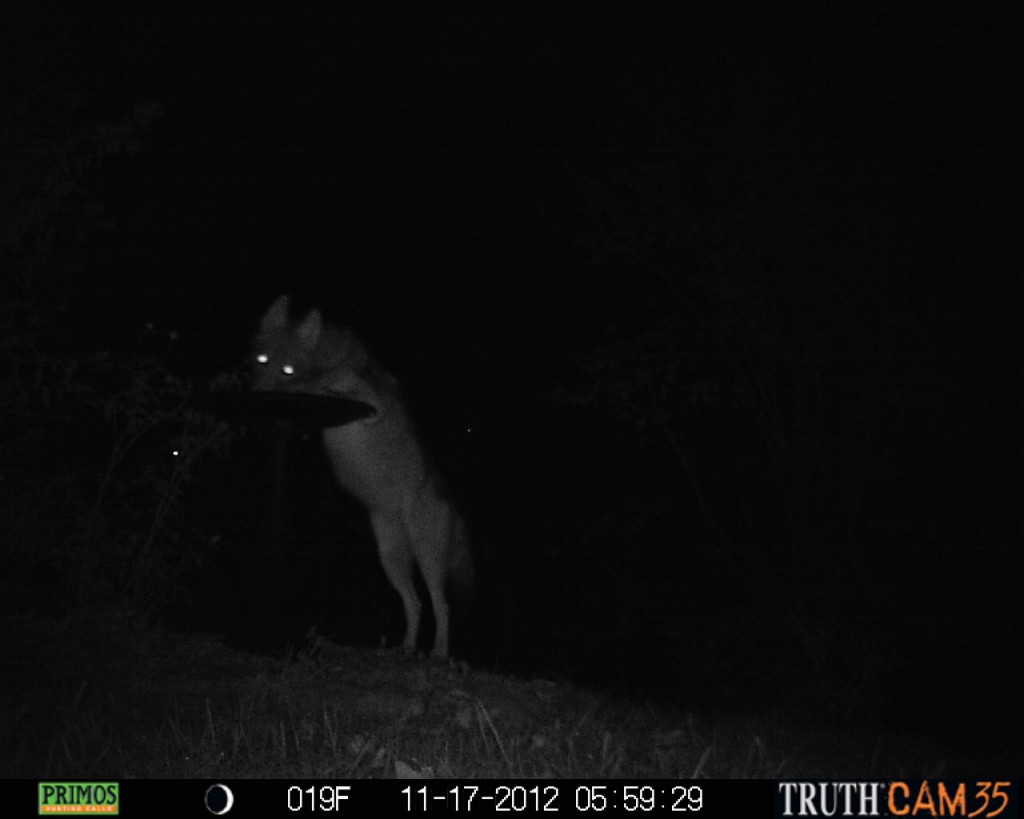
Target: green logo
{"x":77,"y":798}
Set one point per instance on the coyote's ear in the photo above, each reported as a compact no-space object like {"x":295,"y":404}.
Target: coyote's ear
{"x":308,"y":332}
{"x":278,"y":314}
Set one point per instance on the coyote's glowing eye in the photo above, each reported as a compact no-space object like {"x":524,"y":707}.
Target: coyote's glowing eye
{"x":262,"y":358}
{"x":288,"y":369}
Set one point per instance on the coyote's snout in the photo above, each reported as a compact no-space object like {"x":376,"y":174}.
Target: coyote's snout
{"x":378,"y":459}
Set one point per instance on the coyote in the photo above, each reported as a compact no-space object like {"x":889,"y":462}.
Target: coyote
{"x":377,"y":459}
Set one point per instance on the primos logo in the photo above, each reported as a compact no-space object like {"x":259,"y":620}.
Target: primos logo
{"x":78,"y":797}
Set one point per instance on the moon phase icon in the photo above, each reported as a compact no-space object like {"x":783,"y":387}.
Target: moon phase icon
{"x":219,"y":799}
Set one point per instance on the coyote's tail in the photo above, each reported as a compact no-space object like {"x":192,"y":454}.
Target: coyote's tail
{"x":461,"y":576}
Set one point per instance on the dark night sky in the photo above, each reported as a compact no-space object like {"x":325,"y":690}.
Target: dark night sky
{"x":417,"y":177}
{"x":420,"y":141}
{"x":381,"y":164}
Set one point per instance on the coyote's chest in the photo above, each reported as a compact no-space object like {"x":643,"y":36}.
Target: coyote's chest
{"x":379,"y":462}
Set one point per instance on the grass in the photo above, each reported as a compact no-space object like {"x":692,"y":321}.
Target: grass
{"x":96,"y":698}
